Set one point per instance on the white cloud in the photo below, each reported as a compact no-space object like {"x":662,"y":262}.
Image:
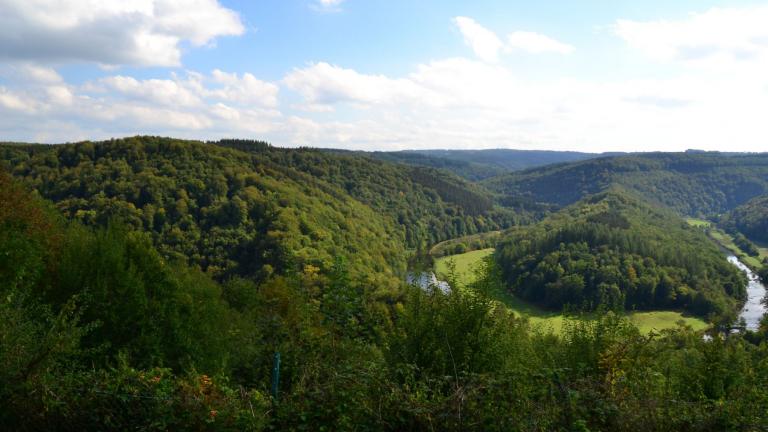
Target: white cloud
{"x":245,"y":89}
{"x":60,"y":95}
{"x":487,"y":45}
{"x":464,"y":103}
{"x":721,"y":37}
{"x":111,"y":32}
{"x":327,"y":5}
{"x":442,"y":103}
{"x":483,"y":42}
{"x":195,"y":105}
{"x":453,"y":85}
{"x":331,"y":3}
{"x":462,"y":83}
{"x":158,"y":91}
{"x":38,"y":73}
{"x":322,"y":84}
{"x":14,"y":102}
{"x":455,"y":102}
{"x":193,"y":90}
{"x":535,"y":43}
{"x":28,"y":72}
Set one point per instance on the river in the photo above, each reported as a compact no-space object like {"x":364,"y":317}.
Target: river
{"x":428,"y":281}
{"x":753,"y":309}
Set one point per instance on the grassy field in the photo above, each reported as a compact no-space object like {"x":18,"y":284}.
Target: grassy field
{"x":472,"y":242}
{"x":698,"y":222}
{"x":466,"y":265}
{"x":553,"y":321}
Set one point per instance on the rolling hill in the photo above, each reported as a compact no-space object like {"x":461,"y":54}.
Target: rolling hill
{"x":614,"y":250}
{"x":247,"y":208}
{"x":751,"y":219}
{"x":690,"y":183}
{"x":481,"y":164}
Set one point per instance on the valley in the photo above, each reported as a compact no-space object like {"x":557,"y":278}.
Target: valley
{"x":168,"y":258}
{"x":395,"y":216}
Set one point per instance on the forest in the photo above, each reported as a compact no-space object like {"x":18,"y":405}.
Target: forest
{"x":695,"y":184}
{"x":150,"y":283}
{"x":478,"y":165}
{"x":614,"y":251}
{"x":750,"y":219}
{"x":245,"y":208}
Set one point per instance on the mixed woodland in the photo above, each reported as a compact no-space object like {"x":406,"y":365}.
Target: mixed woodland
{"x":150,"y":283}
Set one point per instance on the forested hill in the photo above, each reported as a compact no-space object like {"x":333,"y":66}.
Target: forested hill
{"x":219,"y":208}
{"x":751,"y":219}
{"x":100,"y":332}
{"x":614,"y":250}
{"x":431,"y":205}
{"x":481,"y":164}
{"x":691,"y":183}
{"x":246,"y":208}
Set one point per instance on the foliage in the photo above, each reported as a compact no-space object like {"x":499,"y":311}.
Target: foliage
{"x":745,"y":245}
{"x":225,"y":211}
{"x":465,"y":265}
{"x":246,"y":208}
{"x":763,"y":273}
{"x":751,"y":219}
{"x":481,"y":164}
{"x":429,"y":205}
{"x":690,"y":183}
{"x":467,"y":243}
{"x":615,"y":251}
{"x":102,"y":329}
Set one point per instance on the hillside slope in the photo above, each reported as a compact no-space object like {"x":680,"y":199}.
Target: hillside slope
{"x":481,"y":164}
{"x":246,"y":208}
{"x":615,"y":250}
{"x":429,"y":205}
{"x":751,"y":219}
{"x":218,"y":208}
{"x":690,"y":183}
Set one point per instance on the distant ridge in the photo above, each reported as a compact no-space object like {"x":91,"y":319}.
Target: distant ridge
{"x":481,"y":164}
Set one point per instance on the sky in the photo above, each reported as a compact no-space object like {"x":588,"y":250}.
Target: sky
{"x":390,"y":74}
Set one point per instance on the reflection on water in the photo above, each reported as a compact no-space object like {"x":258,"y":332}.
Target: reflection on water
{"x":427,"y":281}
{"x":753,"y":309}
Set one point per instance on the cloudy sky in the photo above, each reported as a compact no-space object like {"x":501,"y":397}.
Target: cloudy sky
{"x":390,"y":74}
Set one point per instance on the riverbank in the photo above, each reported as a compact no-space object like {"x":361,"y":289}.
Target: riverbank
{"x":754,"y":309}
{"x":726,"y":241}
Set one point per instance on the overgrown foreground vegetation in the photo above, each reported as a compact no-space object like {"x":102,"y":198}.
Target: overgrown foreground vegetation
{"x":99,"y":332}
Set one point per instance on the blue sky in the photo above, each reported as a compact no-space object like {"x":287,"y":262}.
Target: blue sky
{"x":377,"y":75}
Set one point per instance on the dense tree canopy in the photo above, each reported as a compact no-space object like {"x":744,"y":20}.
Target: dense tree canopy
{"x":481,"y":164}
{"x":690,"y":183}
{"x":105,"y":326}
{"x":615,"y":251}
{"x":751,"y":219}
{"x":430,"y":205}
{"x":245,"y":208}
{"x":219,"y":208}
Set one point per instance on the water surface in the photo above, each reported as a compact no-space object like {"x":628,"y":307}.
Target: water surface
{"x":753,"y":309}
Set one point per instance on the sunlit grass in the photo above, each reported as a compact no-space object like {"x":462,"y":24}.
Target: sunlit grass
{"x":467,"y":263}
{"x":698,"y":222}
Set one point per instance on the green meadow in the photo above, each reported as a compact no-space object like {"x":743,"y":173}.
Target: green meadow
{"x":466,"y":265}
